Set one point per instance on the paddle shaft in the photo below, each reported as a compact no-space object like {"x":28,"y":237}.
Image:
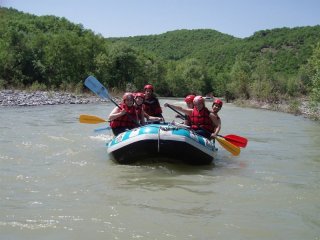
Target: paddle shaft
{"x":182,"y":115}
{"x":102,"y":129}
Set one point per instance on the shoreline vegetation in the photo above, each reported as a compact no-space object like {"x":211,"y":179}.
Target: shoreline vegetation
{"x":297,"y":107}
{"x":279,"y":68}
{"x":10,"y":98}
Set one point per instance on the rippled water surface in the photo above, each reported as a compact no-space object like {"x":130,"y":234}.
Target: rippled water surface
{"x":56,"y":181}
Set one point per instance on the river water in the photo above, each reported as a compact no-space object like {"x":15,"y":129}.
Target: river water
{"x":56,"y":181}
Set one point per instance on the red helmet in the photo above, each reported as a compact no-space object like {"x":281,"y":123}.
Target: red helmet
{"x":139,"y":94}
{"x":148,"y":86}
{"x":218,"y":102}
{"x":197,"y":100}
{"x":127,"y":95}
{"x":189,"y":98}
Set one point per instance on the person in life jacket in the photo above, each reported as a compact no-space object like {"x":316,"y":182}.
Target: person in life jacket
{"x":126,"y":117}
{"x":139,"y":100}
{"x":189,"y":101}
{"x":202,"y":120}
{"x":216,"y":107}
{"x":151,"y":103}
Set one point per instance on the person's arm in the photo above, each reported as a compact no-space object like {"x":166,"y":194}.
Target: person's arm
{"x":159,"y":109}
{"x":115,"y":113}
{"x":155,"y":119}
{"x":142,"y":116}
{"x":148,"y":117}
{"x":187,"y":111}
{"x":216,"y":121}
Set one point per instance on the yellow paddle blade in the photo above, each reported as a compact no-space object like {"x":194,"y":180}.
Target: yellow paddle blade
{"x":90,"y":119}
{"x":234,"y":150}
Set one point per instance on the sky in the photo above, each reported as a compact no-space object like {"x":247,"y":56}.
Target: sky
{"x":124,"y":18}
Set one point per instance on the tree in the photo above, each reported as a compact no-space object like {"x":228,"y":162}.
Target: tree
{"x":240,"y":76}
{"x":314,"y":66}
{"x":123,"y":65}
{"x":189,"y":76}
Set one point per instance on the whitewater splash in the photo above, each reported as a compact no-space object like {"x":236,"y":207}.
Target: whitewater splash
{"x":102,"y":137}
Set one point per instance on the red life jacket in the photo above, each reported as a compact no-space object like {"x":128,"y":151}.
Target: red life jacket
{"x":139,"y":110}
{"x":200,"y":119}
{"x":139,"y":113}
{"x":152,"y":107}
{"x":125,"y":120}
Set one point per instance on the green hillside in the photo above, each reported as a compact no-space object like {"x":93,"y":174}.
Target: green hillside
{"x":48,"y":52}
{"x":289,"y":48}
{"x":180,"y":44}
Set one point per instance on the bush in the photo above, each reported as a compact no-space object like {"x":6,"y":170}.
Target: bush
{"x":36,"y":86}
{"x":294,"y":107}
{"x":2,"y":84}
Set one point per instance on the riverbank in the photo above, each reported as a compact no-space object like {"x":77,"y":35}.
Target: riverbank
{"x":297,"y":107}
{"x":25,"y":98}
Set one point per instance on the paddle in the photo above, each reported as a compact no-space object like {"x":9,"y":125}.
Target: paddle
{"x":95,"y":86}
{"x":90,"y":119}
{"x":233,"y":149}
{"x":182,"y":115}
{"x":102,"y":129}
{"x":236,"y":140}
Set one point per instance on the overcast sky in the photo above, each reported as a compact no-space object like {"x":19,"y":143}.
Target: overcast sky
{"x":123,"y":18}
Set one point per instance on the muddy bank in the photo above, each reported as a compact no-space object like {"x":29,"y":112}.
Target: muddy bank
{"x":296,"y":107}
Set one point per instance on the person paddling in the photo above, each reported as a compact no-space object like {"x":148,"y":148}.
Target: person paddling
{"x":139,"y":100}
{"x":201,"y":119}
{"x":216,"y":107}
{"x":189,"y":101}
{"x":126,"y":117}
{"x":151,"y":103}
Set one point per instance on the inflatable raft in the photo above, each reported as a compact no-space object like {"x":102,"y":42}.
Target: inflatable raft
{"x":161,"y":142}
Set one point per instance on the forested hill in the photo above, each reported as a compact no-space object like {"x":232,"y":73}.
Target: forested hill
{"x":179,"y":44}
{"x":289,"y":47}
{"x":49,"y":52}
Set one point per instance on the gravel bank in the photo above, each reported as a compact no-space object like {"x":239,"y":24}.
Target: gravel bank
{"x":298,"y":107}
{"x":24,"y":98}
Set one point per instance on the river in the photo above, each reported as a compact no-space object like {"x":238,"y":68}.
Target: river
{"x":56,"y":181}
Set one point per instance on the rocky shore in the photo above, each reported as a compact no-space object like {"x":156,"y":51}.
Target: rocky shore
{"x":25,"y":98}
{"x":298,"y":107}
